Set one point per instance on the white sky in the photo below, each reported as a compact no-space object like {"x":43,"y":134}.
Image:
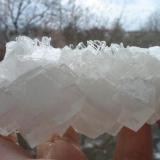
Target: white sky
{"x":135,"y":12}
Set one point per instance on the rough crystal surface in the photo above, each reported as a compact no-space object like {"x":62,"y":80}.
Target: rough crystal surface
{"x":94,"y":88}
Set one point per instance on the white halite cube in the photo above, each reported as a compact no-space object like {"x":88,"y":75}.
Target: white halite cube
{"x":96,"y":88}
{"x":43,"y":95}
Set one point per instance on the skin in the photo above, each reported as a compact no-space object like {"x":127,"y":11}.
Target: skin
{"x":134,"y":146}
{"x":55,"y":148}
{"x":130,"y":146}
{"x":62,"y":148}
{"x":10,"y":151}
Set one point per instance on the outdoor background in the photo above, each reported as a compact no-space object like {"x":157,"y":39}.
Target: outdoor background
{"x":133,"y":22}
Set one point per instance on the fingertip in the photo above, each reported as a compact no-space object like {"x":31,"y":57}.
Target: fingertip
{"x":72,"y":135}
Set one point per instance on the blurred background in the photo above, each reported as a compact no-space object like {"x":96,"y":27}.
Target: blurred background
{"x":133,"y":22}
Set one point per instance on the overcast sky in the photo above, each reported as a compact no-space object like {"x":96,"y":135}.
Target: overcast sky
{"x":135,"y":12}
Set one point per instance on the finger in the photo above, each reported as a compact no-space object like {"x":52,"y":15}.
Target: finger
{"x":134,"y":145}
{"x":72,"y":135}
{"x":10,"y":151}
{"x":60,"y":150}
{"x":62,"y":147}
{"x":11,"y":137}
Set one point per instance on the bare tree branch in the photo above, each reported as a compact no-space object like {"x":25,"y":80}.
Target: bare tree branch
{"x":19,"y":15}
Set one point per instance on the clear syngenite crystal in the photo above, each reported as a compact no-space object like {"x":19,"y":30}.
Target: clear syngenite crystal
{"x":94,"y":88}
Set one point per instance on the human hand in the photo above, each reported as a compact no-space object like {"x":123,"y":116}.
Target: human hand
{"x":134,"y":145}
{"x":57,"y":147}
{"x":66,"y":147}
{"x":10,"y":151}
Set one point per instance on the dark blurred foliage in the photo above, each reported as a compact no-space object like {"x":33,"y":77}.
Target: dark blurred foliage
{"x":156,"y":141}
{"x":101,"y":148}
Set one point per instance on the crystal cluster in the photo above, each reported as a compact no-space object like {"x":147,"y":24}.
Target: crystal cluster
{"x":94,"y":88}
